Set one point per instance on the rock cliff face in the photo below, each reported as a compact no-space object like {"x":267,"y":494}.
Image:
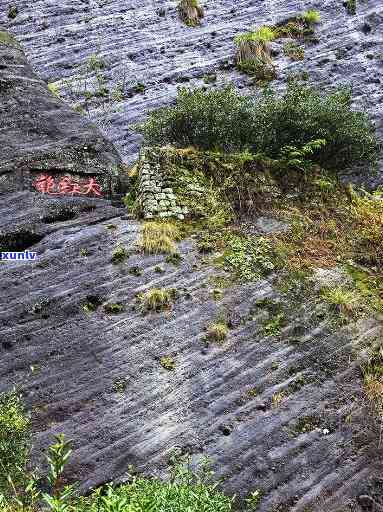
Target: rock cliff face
{"x":147,"y":52}
{"x":40,"y":133}
{"x":286,"y":413}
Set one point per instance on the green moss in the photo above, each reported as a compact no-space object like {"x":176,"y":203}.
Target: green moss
{"x":369,"y":287}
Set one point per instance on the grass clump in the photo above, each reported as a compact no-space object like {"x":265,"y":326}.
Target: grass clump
{"x":222,"y":119}
{"x":311,"y":17}
{"x":294,"y":51}
{"x":14,"y":442}
{"x":114,"y":308}
{"x":158,"y":238}
{"x":190,"y":12}
{"x":373,"y":379}
{"x":344,"y":301}
{"x":119,"y":255}
{"x":350,"y":6}
{"x":253,"y":54}
{"x":168,"y":363}
{"x":217,"y":332}
{"x":157,"y":299}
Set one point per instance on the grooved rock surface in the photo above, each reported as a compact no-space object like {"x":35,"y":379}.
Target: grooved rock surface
{"x":283,"y":413}
{"x":40,"y":133}
{"x":143,"y":42}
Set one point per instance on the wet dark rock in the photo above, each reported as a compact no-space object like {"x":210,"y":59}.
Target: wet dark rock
{"x":39,"y":133}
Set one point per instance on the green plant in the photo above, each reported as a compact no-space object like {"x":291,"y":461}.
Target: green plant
{"x":217,"y":332}
{"x":249,"y":258}
{"x":300,"y":158}
{"x":294,"y":51}
{"x":343,"y":300}
{"x":119,"y":254}
{"x":158,"y":238}
{"x":139,"y":88}
{"x":222,"y":119}
{"x":168,"y":363}
{"x":54,"y":89}
{"x":254,"y":499}
{"x":273,"y":326}
{"x":12,"y":12}
{"x":206,"y":119}
{"x":253,"y":53}
{"x":84,"y":252}
{"x":60,"y":496}
{"x":190,"y":12}
{"x":157,"y":299}
{"x":120,"y":385}
{"x":350,"y":6}
{"x":14,"y":442}
{"x":113,"y":308}
{"x":174,"y":259}
{"x":311,"y":17}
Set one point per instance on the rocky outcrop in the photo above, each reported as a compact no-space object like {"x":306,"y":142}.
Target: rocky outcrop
{"x":149,"y":52}
{"x":283,"y":413}
{"x":39,"y":133}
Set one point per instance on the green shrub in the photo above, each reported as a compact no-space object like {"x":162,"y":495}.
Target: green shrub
{"x":224,"y":120}
{"x":205,"y":119}
{"x":14,"y":440}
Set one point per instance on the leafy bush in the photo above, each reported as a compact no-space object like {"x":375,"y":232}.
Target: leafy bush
{"x":205,"y":119}
{"x":224,"y":120}
{"x":14,"y":440}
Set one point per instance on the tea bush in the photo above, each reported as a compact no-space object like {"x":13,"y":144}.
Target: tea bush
{"x":224,"y":120}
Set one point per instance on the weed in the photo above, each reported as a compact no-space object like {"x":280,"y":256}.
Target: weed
{"x":174,"y":259}
{"x":120,"y":385}
{"x":168,"y":363}
{"x":135,"y":271}
{"x":294,"y":51}
{"x":14,"y":441}
{"x":350,"y":6}
{"x":84,"y":252}
{"x":114,"y":308}
{"x":119,"y":254}
{"x":190,"y":12}
{"x":12,"y":12}
{"x":54,"y":89}
{"x":254,"y":499}
{"x":253,"y":53}
{"x":306,"y":424}
{"x":157,"y":299}
{"x":217,"y":332}
{"x":274,"y":325}
{"x":158,"y":238}
{"x":343,"y":300}
{"x":311,"y":17}
{"x":111,"y":226}
{"x":278,"y":398}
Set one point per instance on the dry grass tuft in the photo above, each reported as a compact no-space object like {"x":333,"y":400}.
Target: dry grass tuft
{"x":157,"y":299}
{"x":158,"y":238}
{"x":190,"y":12}
{"x":217,"y":332}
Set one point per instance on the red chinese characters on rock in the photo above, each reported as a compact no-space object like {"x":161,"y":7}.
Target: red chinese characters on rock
{"x":66,"y":186}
